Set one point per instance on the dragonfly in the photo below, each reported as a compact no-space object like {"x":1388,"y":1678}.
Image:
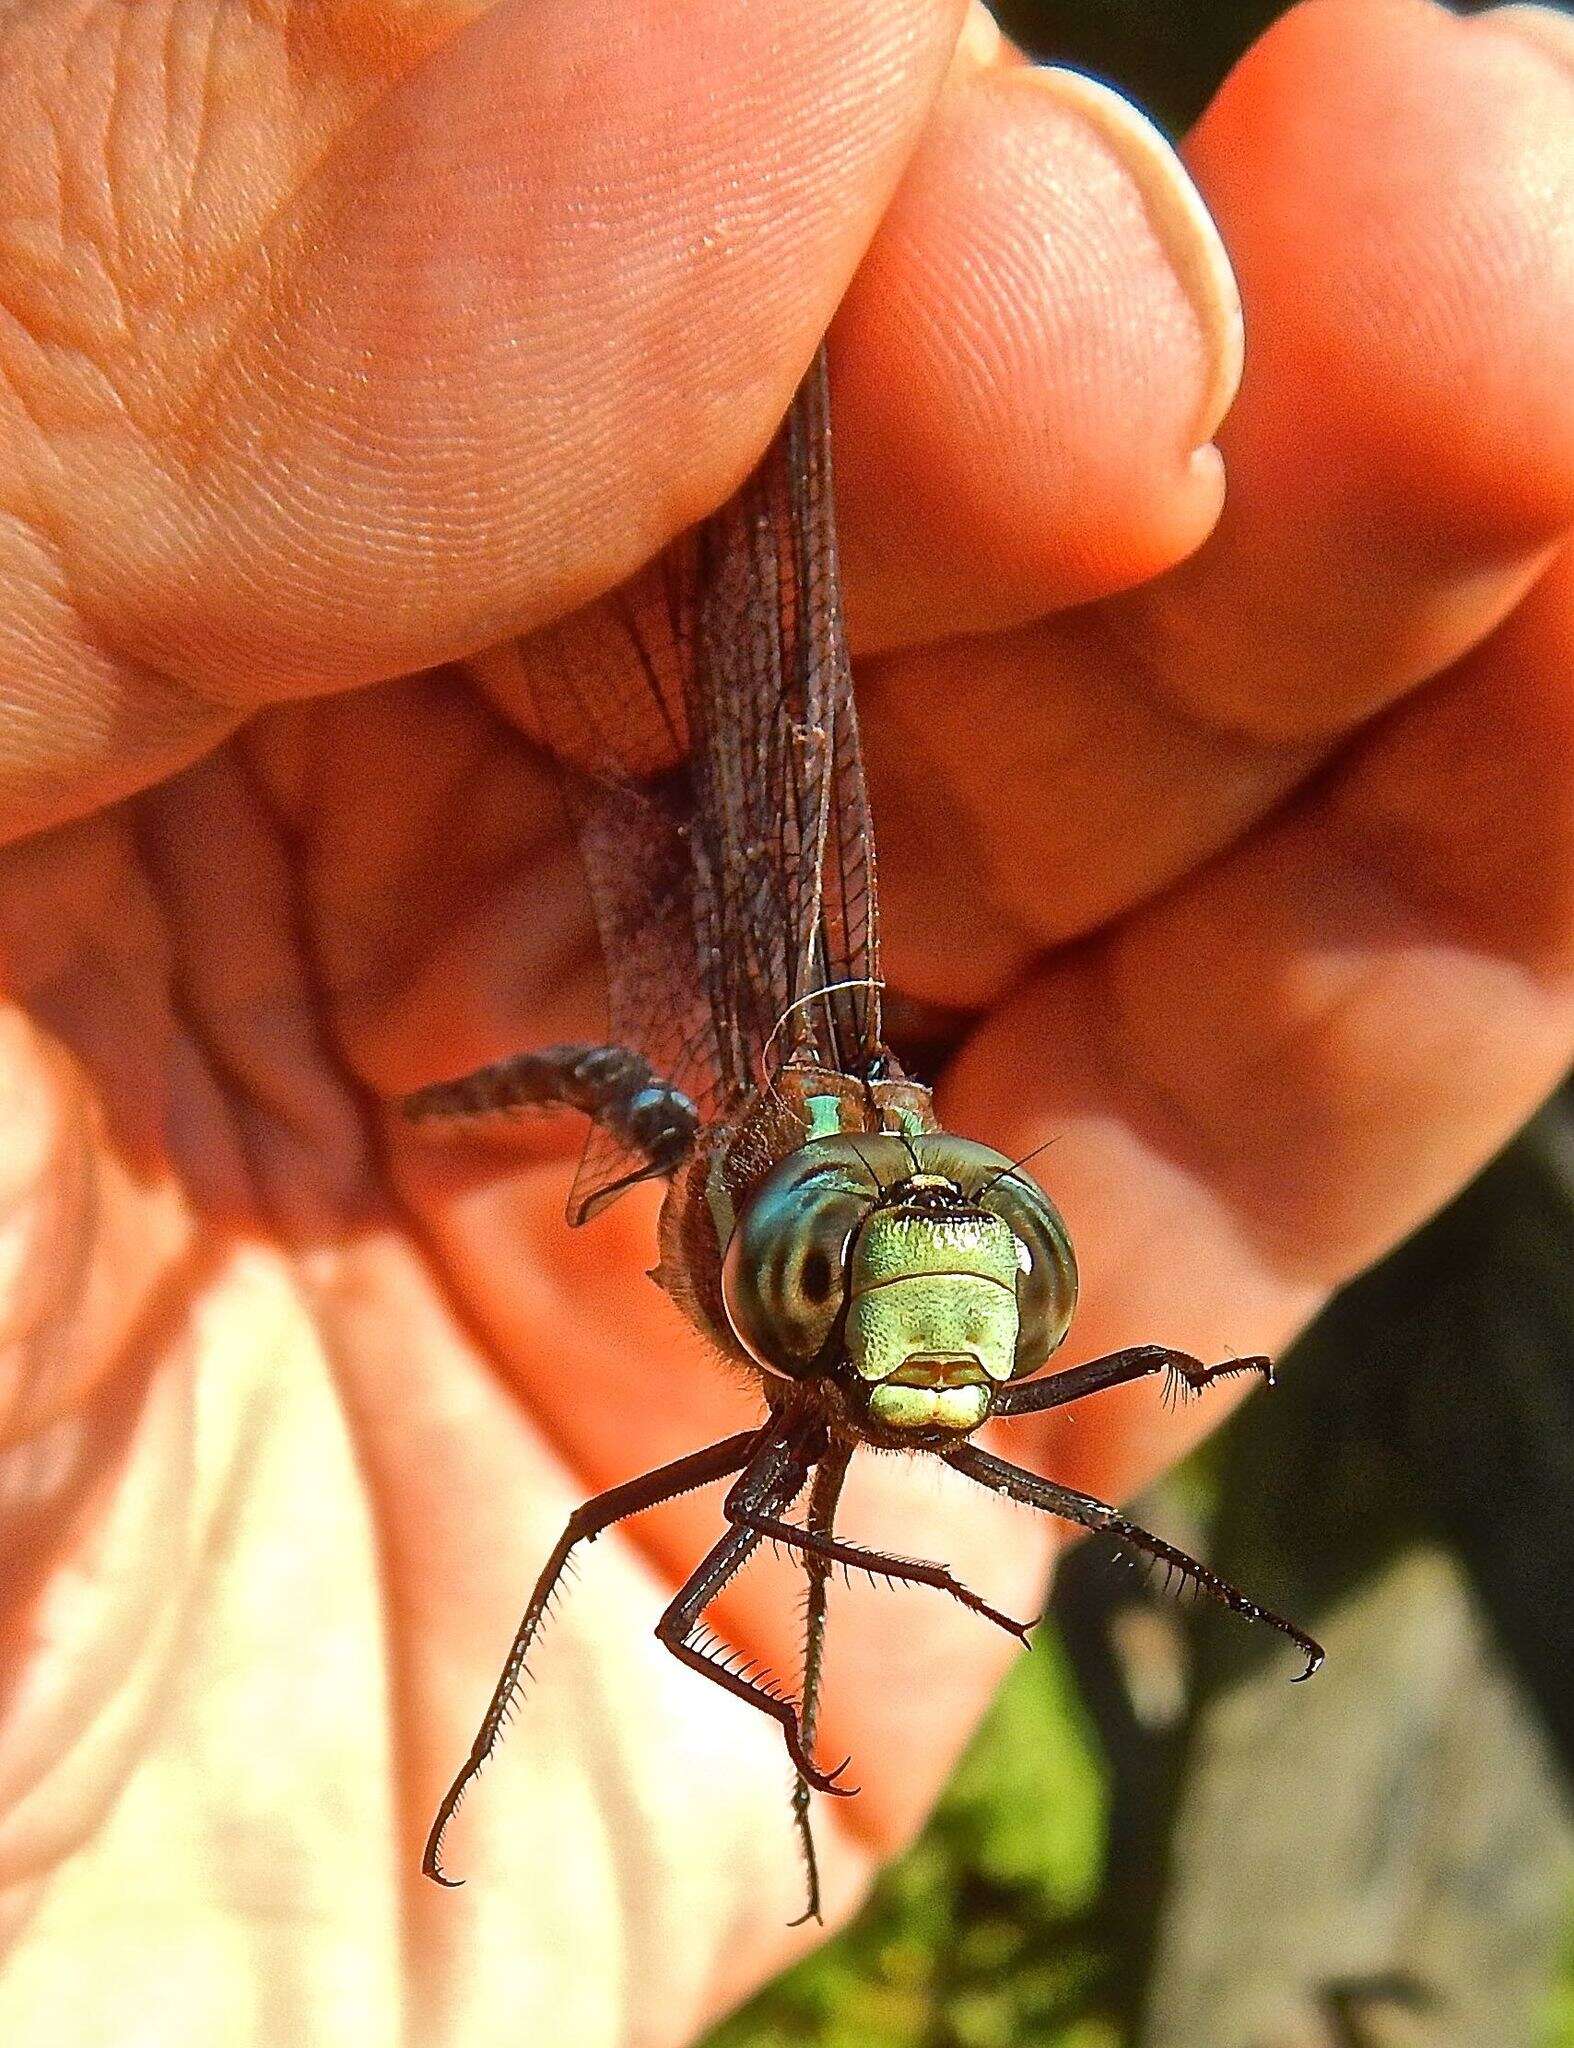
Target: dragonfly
{"x":883,"y":1282}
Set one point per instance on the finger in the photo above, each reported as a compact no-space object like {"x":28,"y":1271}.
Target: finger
{"x":1266,"y":1078}
{"x":1030,"y":364}
{"x":1402,"y":453}
{"x":1033,"y":787}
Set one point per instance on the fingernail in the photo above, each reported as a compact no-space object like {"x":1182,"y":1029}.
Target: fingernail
{"x":979,"y":46}
{"x":1180,"y":221}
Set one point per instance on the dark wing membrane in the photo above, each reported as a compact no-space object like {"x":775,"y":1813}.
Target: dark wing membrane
{"x":845,"y":1029}
{"x":708,"y":744}
{"x":783,"y":852}
{"x":607,"y":692}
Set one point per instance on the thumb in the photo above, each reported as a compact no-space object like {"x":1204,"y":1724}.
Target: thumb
{"x":533,"y":309}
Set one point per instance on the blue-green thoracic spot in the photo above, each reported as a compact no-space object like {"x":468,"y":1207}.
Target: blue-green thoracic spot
{"x":825,"y":1116}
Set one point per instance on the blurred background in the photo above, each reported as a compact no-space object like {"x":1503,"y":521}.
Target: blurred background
{"x":1151,"y":1842}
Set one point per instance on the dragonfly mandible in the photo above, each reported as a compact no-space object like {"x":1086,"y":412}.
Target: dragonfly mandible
{"x":885,"y":1282}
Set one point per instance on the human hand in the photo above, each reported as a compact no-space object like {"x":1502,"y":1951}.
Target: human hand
{"x":352,"y":341}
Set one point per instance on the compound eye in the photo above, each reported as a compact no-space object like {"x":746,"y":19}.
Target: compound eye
{"x":1047,"y":1281}
{"x":784,"y":1279}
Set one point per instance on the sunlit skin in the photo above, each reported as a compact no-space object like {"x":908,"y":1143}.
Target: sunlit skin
{"x":1236,"y":832}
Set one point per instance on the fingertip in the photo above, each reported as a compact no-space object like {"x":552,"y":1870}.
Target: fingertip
{"x":1184,"y":230}
{"x":1395,"y":186}
{"x":1030,"y":364}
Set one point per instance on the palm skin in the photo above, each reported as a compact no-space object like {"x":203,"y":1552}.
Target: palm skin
{"x":1249,"y":877}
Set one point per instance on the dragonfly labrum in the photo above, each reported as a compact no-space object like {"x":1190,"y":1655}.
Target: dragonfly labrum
{"x":884,"y":1282}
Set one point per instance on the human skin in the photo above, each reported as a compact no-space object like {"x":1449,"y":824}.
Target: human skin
{"x":347,"y":340}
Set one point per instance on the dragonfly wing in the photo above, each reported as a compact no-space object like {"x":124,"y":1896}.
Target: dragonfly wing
{"x":783,"y":850}
{"x":704,"y":727}
{"x":605,"y":694}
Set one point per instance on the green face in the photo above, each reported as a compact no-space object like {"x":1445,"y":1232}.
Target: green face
{"x":932,"y":1314}
{"x":920,"y":1272}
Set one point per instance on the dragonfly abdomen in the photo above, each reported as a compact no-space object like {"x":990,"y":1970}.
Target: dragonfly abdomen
{"x":616,"y":1088}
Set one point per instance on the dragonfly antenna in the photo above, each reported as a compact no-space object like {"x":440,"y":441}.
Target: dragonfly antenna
{"x":815,"y":995}
{"x":908,"y":1147}
{"x":863,"y":1155}
{"x":1017,"y":1164}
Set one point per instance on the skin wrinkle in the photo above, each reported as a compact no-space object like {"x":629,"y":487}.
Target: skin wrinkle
{"x":19,"y":390}
{"x":92,"y":1497}
{"x":125,"y":74}
{"x":168,"y":722}
{"x":83,"y":87}
{"x":1381,"y":822}
{"x":73,"y":1234}
{"x":1164,"y":1118}
{"x":388,"y":1600}
{"x":295,"y":942}
{"x":223,"y":286}
{"x":1230,"y":1158}
{"x":370,"y":991}
{"x":1140,"y":678}
{"x":1433,"y":906}
{"x":194,"y":191}
{"x":1129,"y":631}
{"x":228,"y":1083}
{"x":382,"y":966}
{"x":1160,"y":1118}
{"x":910,"y":798}
{"x":1303,"y":760}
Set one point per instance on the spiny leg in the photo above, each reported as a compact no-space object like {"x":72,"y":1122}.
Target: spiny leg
{"x":774,"y":1477}
{"x":616,"y":1088}
{"x":584,"y":1525}
{"x":1088,"y":1513}
{"x":1028,"y":1397}
{"x":823,"y":1496}
{"x":812,"y":1543}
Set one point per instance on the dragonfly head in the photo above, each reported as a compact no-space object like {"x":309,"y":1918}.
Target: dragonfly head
{"x":921,"y":1272}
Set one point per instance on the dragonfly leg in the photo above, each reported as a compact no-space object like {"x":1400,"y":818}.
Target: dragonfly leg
{"x":614,"y":1087}
{"x":775,"y":1477}
{"x":1088,"y":1513}
{"x":584,"y":1525}
{"x":814,"y":1543}
{"x":823,"y":1496}
{"x":1029,"y":1397}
